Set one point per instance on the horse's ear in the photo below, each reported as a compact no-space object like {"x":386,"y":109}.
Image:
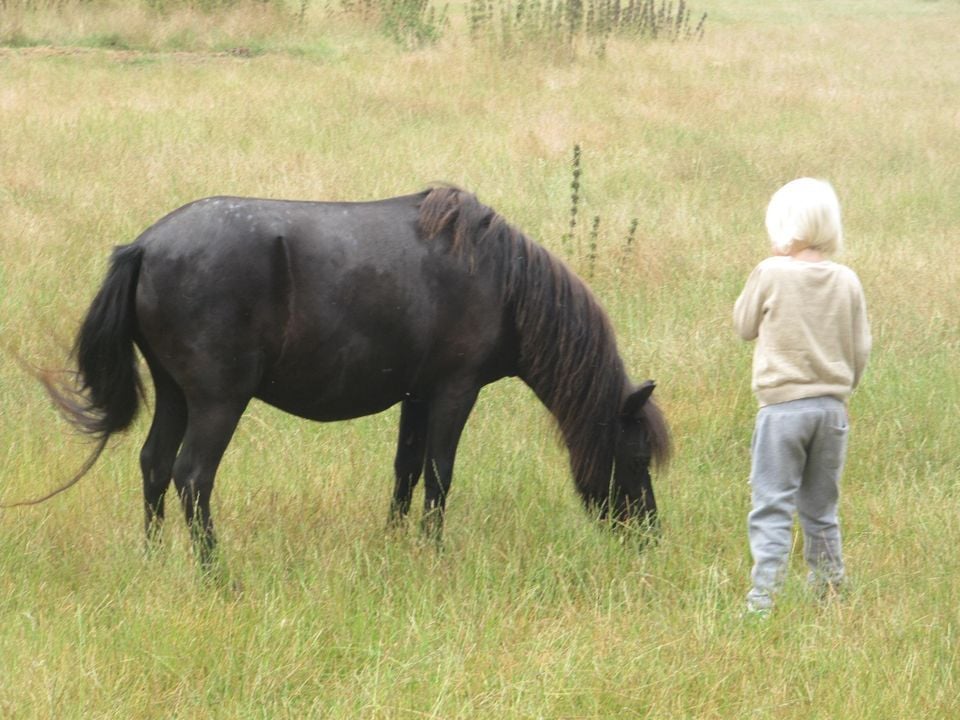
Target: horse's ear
{"x":637,"y":399}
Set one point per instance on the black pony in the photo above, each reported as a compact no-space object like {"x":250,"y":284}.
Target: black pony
{"x":331,"y":311}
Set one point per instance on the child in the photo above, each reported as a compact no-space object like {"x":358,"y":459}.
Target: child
{"x":808,"y":316}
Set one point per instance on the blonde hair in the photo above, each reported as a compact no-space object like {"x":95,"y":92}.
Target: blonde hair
{"x":805,"y":213}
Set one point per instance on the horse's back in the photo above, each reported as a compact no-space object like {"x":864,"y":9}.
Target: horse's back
{"x":219,"y":228}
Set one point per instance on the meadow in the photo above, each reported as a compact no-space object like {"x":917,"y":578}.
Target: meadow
{"x":113,"y":114}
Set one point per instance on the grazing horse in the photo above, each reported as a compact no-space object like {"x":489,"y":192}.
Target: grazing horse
{"x":334,"y":310}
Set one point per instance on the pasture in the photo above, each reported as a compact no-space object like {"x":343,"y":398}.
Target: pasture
{"x":112,"y":115}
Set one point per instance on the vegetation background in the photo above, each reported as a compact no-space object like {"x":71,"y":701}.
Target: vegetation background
{"x":113,"y":113}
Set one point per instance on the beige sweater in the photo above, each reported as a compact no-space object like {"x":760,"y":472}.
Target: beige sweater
{"x":810,"y":323}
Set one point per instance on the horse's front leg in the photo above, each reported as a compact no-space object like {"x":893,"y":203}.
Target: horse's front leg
{"x":408,"y":464}
{"x":449,"y":410}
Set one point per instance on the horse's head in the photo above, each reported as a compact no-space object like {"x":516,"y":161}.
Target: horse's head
{"x":642,"y":438}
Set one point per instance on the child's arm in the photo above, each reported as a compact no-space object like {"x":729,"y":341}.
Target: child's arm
{"x":748,"y":310}
{"x":862,"y":339}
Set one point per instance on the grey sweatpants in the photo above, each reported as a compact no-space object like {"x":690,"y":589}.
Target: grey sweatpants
{"x":797,"y":458}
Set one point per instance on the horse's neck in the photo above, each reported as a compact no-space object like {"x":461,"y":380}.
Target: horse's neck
{"x":568,"y":354}
{"x":584,"y":405}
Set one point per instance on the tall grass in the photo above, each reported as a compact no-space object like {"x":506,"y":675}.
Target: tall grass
{"x":511,"y":25}
{"x":287,"y":26}
{"x":530,"y":610}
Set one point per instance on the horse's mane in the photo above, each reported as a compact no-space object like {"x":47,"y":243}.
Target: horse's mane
{"x":568,"y":350}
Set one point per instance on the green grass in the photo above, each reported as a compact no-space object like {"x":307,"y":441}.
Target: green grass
{"x":530,"y":610}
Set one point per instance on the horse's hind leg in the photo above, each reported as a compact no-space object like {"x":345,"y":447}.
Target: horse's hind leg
{"x":408,"y":464}
{"x":160,"y":449}
{"x":209,"y":429}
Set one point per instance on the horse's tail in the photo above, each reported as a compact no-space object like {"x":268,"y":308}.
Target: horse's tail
{"x":109,"y":387}
{"x":103,"y":396}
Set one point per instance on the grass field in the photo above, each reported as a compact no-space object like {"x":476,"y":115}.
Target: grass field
{"x":111,"y":115}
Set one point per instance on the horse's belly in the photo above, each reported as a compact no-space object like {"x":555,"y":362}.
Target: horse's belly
{"x":333,"y":399}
